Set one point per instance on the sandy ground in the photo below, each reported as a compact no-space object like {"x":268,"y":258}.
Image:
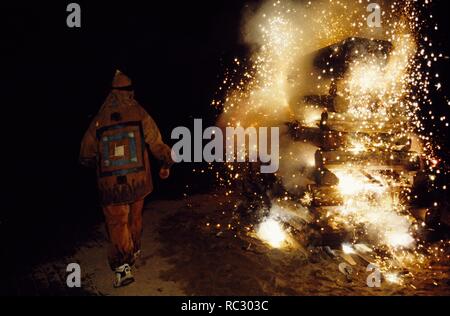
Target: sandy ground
{"x":183,"y":254}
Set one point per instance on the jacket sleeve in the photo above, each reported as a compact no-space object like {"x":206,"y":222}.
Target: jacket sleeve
{"x":153,"y":138}
{"x":88,"y":151}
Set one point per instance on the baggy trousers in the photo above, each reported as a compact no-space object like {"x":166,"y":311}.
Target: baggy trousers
{"x":124,"y":227}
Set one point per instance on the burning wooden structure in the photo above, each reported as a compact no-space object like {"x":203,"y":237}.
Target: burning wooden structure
{"x":356,"y":156}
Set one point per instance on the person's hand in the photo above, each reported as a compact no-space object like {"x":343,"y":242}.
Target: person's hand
{"x":164,"y":173}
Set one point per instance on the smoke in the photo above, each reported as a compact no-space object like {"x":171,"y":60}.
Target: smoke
{"x":297,"y":164}
{"x":279,"y":73}
{"x":282,"y":36}
{"x":370,"y":203}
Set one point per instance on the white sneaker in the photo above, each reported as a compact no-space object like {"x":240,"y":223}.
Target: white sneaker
{"x":123,"y":275}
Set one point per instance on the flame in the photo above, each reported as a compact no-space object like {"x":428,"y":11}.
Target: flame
{"x":347,"y":248}
{"x":393,"y":277}
{"x":357,"y":147}
{"x":376,"y":95}
{"x":367,"y":201}
{"x":353,"y":183}
{"x":271,"y":231}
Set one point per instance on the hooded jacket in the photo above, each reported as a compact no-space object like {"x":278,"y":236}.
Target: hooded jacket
{"x":116,"y":144}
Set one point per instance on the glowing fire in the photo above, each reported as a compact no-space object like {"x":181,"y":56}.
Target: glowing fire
{"x":353,"y":183}
{"x":392,"y":277}
{"x":357,"y":147}
{"x":347,"y":248}
{"x":367,"y":201}
{"x":376,"y":103}
{"x":271,"y":231}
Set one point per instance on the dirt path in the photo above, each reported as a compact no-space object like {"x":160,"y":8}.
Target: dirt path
{"x":186,"y":253}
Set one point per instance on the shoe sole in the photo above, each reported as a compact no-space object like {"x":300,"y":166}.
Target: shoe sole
{"x":124,"y":282}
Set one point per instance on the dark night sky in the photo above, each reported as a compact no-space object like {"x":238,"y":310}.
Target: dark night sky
{"x":175,"y":52}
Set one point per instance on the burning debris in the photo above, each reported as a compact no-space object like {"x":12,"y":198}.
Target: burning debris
{"x":353,"y":150}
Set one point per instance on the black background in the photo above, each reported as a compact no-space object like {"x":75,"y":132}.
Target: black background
{"x":56,"y":78}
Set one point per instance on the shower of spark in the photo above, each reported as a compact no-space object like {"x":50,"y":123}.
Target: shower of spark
{"x":393,"y":278}
{"x":368,"y":202}
{"x":378,"y":95}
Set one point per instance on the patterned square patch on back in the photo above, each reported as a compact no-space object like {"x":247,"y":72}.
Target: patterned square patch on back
{"x":121,"y":149}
